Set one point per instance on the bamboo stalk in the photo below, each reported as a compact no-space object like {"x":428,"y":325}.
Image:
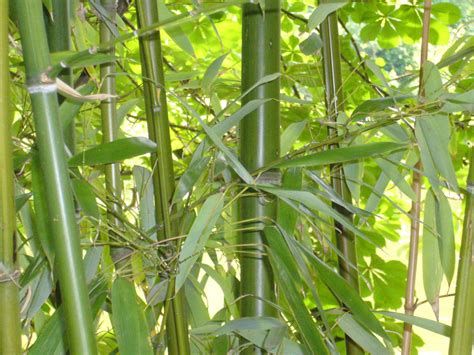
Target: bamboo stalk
{"x":110,"y":130}
{"x":59,"y":38}
{"x":463,"y":313}
{"x":345,"y":239}
{"x":43,"y":92}
{"x":162,"y":163}
{"x":416,"y":204}
{"x":259,"y":146}
{"x":10,"y":330}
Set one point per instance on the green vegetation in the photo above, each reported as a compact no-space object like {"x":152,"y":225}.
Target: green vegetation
{"x":252,"y":177}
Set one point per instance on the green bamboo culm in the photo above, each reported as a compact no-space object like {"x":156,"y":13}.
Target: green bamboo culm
{"x":334,"y":105}
{"x":259,"y":146}
{"x":162,"y":163}
{"x":110,"y":130}
{"x":463,"y":313}
{"x":59,"y":38}
{"x":10,"y":330}
{"x":50,"y":142}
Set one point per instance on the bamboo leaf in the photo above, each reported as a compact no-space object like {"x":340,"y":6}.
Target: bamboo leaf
{"x":189,"y":178}
{"x":433,"y":135}
{"x":287,"y":216}
{"x":146,"y":207}
{"x":86,"y":198}
{"x":290,"y":135}
{"x":212,"y":72}
{"x":361,"y":336}
{"x":428,"y":324}
{"x":311,"y":44}
{"x":69,"y":109}
{"x":444,"y":227}
{"x":114,"y":152}
{"x":375,"y":105}
{"x":432,"y":269}
{"x":432,"y":83}
{"x":198,"y":236}
{"x":322,"y":11}
{"x":392,"y":172}
{"x":128,"y":319}
{"x":342,"y":155}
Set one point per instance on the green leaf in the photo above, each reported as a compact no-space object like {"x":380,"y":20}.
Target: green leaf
{"x":124,"y":109}
{"x":290,"y":135}
{"x":390,"y":169}
{"x":311,"y":44}
{"x":86,"y":197}
{"x":444,"y":227}
{"x":432,"y":83}
{"x":322,"y":11}
{"x":367,"y":108}
{"x":446,"y":13}
{"x":459,"y":102}
{"x":287,"y":275}
{"x":198,"y":236}
{"x":189,"y":178}
{"x":69,"y":109}
{"x":342,"y":155}
{"x":287,"y":216}
{"x":146,"y":206}
{"x":175,"y":32}
{"x":114,"y":152}
{"x":361,"y":336}
{"x":212,"y":72}
{"x":433,"y":135}
{"x":432,"y":268}
{"x":128,"y":320}
{"x":428,"y":324}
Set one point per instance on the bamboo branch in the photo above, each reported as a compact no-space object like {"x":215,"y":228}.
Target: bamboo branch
{"x":43,"y":92}
{"x":345,"y":240}
{"x":416,"y":204}
{"x":162,"y":161}
{"x":10,"y":332}
{"x":463,"y":313}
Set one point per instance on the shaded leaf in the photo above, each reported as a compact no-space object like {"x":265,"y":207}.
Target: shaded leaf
{"x":322,"y":11}
{"x":291,"y":135}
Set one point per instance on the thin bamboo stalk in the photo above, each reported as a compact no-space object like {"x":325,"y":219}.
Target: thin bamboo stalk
{"x":43,"y":92}
{"x":59,"y":39}
{"x":110,"y":130}
{"x":162,"y":163}
{"x":416,"y":204}
{"x":463,"y":313}
{"x":10,"y":331}
{"x":345,"y":239}
{"x":259,"y":146}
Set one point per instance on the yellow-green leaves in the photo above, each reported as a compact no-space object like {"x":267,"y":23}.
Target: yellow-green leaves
{"x":128,"y":319}
{"x":198,"y":236}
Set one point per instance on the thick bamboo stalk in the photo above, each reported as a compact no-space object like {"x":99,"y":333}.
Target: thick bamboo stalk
{"x":43,"y":92}
{"x":416,"y":204}
{"x":10,"y":331}
{"x":463,"y":313}
{"x":59,"y":39}
{"x":345,"y":239}
{"x":110,"y":130}
{"x":162,"y":163}
{"x":259,"y":146}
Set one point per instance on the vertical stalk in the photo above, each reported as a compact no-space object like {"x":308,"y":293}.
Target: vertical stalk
{"x":416,"y":204}
{"x":259,"y":146}
{"x":10,"y":331}
{"x":345,"y":239}
{"x":463,"y":313}
{"x":108,"y":109}
{"x":59,"y":39}
{"x":43,"y":92}
{"x":162,"y":163}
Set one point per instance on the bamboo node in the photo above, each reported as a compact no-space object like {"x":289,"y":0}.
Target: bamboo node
{"x":42,"y":85}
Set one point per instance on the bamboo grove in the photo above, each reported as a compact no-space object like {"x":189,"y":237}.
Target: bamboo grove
{"x":256,"y":177}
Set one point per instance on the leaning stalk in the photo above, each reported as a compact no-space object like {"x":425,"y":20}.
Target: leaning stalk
{"x":43,"y":92}
{"x":162,"y":163}
{"x":345,"y":239}
{"x":259,"y":146}
{"x":463,"y":313}
{"x":110,"y":129}
{"x":10,"y":331}
{"x":416,"y":204}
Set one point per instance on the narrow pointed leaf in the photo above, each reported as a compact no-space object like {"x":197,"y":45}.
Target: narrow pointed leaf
{"x":444,"y":227}
{"x":290,"y":135}
{"x":322,"y":11}
{"x":428,"y":324}
{"x":212,"y":72}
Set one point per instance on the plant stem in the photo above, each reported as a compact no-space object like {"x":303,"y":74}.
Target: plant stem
{"x":162,"y":163}
{"x":345,"y":239}
{"x":463,"y":313}
{"x":59,"y":40}
{"x":416,"y":204}
{"x":110,"y":129}
{"x":43,"y":92}
{"x":10,"y":331}
{"x":259,"y":146}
